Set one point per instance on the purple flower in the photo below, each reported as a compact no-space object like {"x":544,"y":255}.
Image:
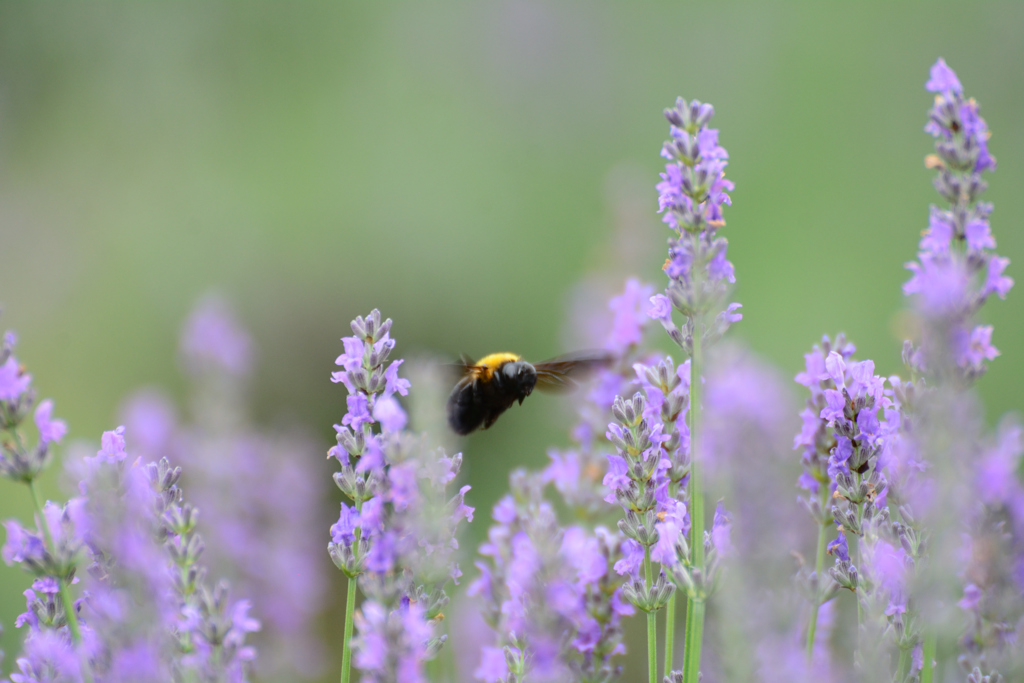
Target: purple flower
{"x":358,"y":411}
{"x":632,"y":558}
{"x":972,"y":596}
{"x":978,"y":235}
{"x":492,"y":665}
{"x":372,"y":515}
{"x":50,"y":431}
{"x":889,"y":565}
{"x":381,"y":557}
{"x":729,"y":315}
{"x":664,"y":551}
{"x":835,"y":405}
{"x":505,"y":510}
{"x":13,"y":382}
{"x":47,"y":656}
{"x":371,"y":648}
{"x":583,"y":553}
{"x":151,"y":419}
{"x":404,"y":486}
{"x":996,"y":480}
{"x":838,"y":548}
{"x":615,"y":479}
{"x":942,"y":79}
{"x":343,"y":531}
{"x":815,"y":370}
{"x":950,"y":285}
{"x":974,"y":351}
{"x":721,"y":531}
{"x":629,"y":317}
{"x":564,"y":471}
{"x":394,"y":383}
{"x":213,"y":336}
{"x":112,"y":446}
{"x":22,"y":546}
{"x":995,"y":282}
{"x":388,"y":412}
{"x":660,"y":308}
{"x":942,"y":286}
{"x":691,"y":195}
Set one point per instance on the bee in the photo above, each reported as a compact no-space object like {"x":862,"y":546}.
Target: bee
{"x":492,"y":384}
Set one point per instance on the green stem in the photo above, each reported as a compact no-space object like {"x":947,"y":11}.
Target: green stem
{"x":694,"y":636}
{"x":695,"y":603}
{"x":904,"y":666}
{"x":696,"y":490}
{"x":346,"y":651}
{"x":350,"y":608}
{"x":819,"y":565}
{"x":65,"y":591}
{"x":928,"y":654}
{"x":670,"y":631}
{"x":652,"y":623}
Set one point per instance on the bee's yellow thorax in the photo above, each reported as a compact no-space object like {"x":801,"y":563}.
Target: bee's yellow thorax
{"x":488,"y":364}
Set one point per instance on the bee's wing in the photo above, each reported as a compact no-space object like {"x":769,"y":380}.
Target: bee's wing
{"x":461,"y":368}
{"x":563,"y":372}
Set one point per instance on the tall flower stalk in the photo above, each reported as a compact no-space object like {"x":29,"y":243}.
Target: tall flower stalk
{"x":691,"y":196}
{"x":53,"y":561}
{"x":147,"y":612}
{"x":397,"y":542}
{"x":956,"y":272}
{"x":257,"y":487}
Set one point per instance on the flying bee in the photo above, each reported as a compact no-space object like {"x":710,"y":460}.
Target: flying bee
{"x":492,"y":384}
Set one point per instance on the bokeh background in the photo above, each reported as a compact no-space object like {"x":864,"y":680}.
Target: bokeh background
{"x":471,"y":169}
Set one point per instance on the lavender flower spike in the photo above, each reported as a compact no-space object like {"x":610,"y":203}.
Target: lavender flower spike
{"x":692,"y":194}
{"x":398,"y":539}
{"x":956,"y":270}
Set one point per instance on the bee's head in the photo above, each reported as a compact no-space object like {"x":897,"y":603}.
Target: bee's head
{"x":522,"y":376}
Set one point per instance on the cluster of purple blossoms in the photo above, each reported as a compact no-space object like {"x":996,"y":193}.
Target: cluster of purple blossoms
{"x":956,"y":270}
{"x":146,"y":595}
{"x":852,"y":455}
{"x":993,"y":575}
{"x":691,"y":195}
{"x":577,"y":472}
{"x":897,"y":460}
{"x":145,"y":612}
{"x":398,"y":539}
{"x":549,"y":593}
{"x":17,"y":399}
{"x":258,"y":489}
{"x":553,"y":595}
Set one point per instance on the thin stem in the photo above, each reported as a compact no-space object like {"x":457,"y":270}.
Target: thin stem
{"x":819,"y":565}
{"x":695,"y":603}
{"x":652,"y":623}
{"x":346,"y":652}
{"x":904,"y":666}
{"x":65,"y":592}
{"x":696,"y":434}
{"x":670,"y":631}
{"x":694,"y":636}
{"x":350,"y":608}
{"x":928,"y":655}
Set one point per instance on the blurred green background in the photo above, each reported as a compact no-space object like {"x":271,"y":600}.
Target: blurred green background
{"x":461,"y":166}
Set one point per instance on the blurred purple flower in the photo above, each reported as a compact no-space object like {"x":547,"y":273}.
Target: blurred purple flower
{"x":629,"y":316}
{"x":942,"y":79}
{"x":213,"y":338}
{"x":13,"y":380}
{"x":50,"y":430}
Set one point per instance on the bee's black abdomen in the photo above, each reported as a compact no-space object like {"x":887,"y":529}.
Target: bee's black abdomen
{"x":465,"y":412}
